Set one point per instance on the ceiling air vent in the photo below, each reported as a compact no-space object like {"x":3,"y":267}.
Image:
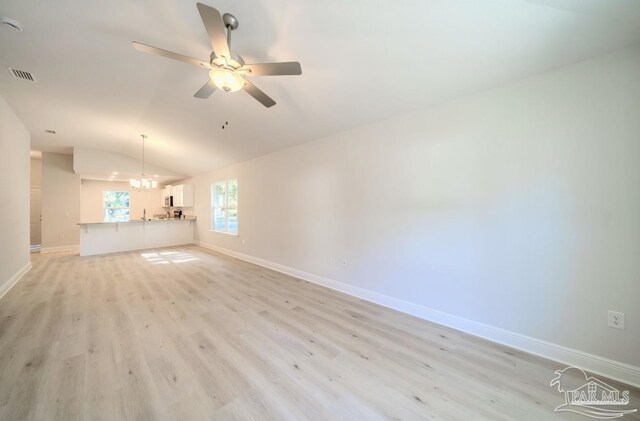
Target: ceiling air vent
{"x":21,"y":74}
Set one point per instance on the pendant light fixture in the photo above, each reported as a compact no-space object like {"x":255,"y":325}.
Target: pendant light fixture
{"x":143,"y":183}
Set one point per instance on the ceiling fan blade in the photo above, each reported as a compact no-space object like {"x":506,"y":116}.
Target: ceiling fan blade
{"x":215,"y":29}
{"x":273,"y":69}
{"x":263,"y":98}
{"x":206,"y":91}
{"x":169,"y":54}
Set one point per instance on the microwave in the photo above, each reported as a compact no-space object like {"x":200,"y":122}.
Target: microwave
{"x":168,"y":200}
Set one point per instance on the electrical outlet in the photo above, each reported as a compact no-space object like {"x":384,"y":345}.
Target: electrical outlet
{"x":616,"y":319}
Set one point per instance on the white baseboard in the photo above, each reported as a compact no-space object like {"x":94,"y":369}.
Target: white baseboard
{"x":74,"y":248}
{"x":4,"y":288}
{"x":595,"y":364}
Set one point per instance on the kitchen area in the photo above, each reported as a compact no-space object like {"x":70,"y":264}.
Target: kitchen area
{"x":116,"y":218}
{"x":97,"y":202}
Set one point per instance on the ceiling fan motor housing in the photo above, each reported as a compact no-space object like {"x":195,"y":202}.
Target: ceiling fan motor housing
{"x":235,"y":61}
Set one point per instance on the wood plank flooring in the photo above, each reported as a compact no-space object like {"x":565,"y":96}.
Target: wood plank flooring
{"x":187,"y":334}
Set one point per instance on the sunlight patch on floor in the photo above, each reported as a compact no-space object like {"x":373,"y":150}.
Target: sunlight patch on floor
{"x":168,"y":257}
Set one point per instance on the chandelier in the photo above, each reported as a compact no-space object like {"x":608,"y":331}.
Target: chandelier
{"x":143,"y":183}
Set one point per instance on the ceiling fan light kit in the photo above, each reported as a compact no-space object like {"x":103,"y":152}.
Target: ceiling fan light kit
{"x":227,"y":70}
{"x":226,"y":79}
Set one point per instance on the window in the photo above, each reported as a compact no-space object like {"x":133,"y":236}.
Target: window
{"x":224,"y":206}
{"x":116,"y":206}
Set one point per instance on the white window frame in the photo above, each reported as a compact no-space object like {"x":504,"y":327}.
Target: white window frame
{"x":225,"y":206}
{"x":104,"y":208}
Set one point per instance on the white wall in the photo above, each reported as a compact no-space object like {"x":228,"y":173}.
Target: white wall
{"x":60,"y":202}
{"x":15,"y":142}
{"x":91,"y":206}
{"x":518,"y":207}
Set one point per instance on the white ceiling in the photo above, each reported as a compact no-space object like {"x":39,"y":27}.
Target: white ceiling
{"x":362,"y":60}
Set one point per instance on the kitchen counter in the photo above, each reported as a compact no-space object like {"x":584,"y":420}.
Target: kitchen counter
{"x":110,"y":237}
{"x":133,"y":221}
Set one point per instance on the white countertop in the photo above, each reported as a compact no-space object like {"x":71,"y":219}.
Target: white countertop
{"x":134,"y":221}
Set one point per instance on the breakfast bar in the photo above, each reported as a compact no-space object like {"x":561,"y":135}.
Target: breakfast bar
{"x":111,"y":237}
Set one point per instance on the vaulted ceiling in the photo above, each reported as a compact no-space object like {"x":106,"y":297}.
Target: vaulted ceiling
{"x":362,"y":60}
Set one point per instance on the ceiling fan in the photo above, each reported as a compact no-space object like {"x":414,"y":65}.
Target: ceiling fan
{"x":227,"y":69}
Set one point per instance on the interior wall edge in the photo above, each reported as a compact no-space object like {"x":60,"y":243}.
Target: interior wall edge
{"x":15,"y":142}
{"x":6,"y":287}
{"x":595,"y":364}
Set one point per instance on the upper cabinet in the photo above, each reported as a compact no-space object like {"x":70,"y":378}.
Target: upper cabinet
{"x":166,"y":196}
{"x":182,"y":195}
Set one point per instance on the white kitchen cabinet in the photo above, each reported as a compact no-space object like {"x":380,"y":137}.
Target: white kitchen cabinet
{"x":166,"y":192}
{"x":182,"y":195}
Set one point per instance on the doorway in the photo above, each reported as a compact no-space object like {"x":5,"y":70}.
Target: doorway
{"x":35,"y":202}
{"x":35,"y":206}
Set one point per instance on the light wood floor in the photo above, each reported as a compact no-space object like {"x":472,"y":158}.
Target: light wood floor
{"x":187,"y":334}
